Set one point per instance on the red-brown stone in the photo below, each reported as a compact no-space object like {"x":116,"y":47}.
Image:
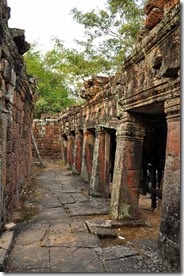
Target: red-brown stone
{"x":153,"y":18}
{"x":153,"y":4}
{"x":173,"y":139}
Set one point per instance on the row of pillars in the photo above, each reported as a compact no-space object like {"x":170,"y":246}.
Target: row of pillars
{"x":89,"y":152}
{"x":110,"y":160}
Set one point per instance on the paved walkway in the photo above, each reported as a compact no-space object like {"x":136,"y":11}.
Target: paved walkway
{"x":65,"y":230}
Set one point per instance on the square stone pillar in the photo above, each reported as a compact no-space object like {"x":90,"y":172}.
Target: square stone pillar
{"x":70,"y":149}
{"x":78,"y":146}
{"x":169,"y":236}
{"x":127,"y":170}
{"x":98,"y":177}
{"x":87,"y":154}
{"x":64,"y":150}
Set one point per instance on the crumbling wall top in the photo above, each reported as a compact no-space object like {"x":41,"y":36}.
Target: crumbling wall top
{"x":93,"y":86}
{"x":155,"y":11}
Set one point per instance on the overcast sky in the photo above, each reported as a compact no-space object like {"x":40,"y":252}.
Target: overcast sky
{"x":42,"y":19}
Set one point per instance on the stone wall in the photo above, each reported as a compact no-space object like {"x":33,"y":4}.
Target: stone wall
{"x":105,"y":140}
{"x":16,"y":108}
{"x":47,"y":136}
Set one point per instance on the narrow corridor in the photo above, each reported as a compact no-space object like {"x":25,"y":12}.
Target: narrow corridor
{"x":60,"y":228}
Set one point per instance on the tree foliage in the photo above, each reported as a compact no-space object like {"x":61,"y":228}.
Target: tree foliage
{"x":110,"y":36}
{"x":110,"y":33}
{"x":54,"y":93}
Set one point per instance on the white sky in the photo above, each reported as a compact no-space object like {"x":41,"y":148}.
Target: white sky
{"x":43,"y":19}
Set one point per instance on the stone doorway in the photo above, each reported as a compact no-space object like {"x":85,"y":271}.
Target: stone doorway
{"x":110,"y":151}
{"x":153,"y":157}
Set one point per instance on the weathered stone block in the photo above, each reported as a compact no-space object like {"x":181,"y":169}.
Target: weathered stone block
{"x":153,"y":4}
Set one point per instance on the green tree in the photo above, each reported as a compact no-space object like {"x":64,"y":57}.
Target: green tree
{"x":110,"y":33}
{"x":54,"y":93}
{"x":110,"y":36}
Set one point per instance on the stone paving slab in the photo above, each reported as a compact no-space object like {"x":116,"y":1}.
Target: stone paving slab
{"x":66,"y":198}
{"x":79,"y":197}
{"x":63,"y":217}
{"x":133,"y":264}
{"x":51,"y":214}
{"x":50,"y":184}
{"x":48,"y":175}
{"x":51,"y":202}
{"x":70,"y":191}
{"x":30,"y":237}
{"x":81,"y":260}
{"x":70,"y":240}
{"x":67,"y":186}
{"x":88,"y":207}
{"x":115,"y":252}
{"x":30,"y":257}
{"x":78,"y":227}
{"x":59,"y":228}
{"x":58,"y":256}
{"x":30,"y":225}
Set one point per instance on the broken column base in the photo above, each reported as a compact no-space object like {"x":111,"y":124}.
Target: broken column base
{"x":125,"y":212}
{"x":95,"y":193}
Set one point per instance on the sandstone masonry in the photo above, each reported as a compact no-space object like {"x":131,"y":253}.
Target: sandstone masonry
{"x":47,"y":136}
{"x":16,"y":108}
{"x":131,"y":123}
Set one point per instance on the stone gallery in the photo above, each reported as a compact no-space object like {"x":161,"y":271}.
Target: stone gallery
{"x":123,"y":141}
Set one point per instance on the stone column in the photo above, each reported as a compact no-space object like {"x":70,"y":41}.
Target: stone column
{"x":98,"y":176}
{"x":87,"y":155}
{"x":70,"y":149}
{"x":169,"y":236}
{"x":64,"y":150}
{"x":126,"y":180}
{"x":78,"y":146}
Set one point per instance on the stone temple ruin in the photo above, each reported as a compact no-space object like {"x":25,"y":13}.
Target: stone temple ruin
{"x":16,"y":110}
{"x":126,"y":134}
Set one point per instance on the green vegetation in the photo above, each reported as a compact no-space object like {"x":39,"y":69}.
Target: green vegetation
{"x":54,"y":91}
{"x":110,"y":33}
{"x":110,"y":36}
